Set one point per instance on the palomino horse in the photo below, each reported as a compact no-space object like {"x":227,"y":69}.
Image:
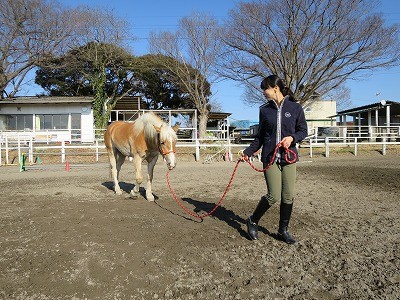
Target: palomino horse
{"x":143,"y":139}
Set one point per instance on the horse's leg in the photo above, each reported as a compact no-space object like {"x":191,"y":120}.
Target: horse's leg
{"x":137,"y":162}
{"x":119,"y":158}
{"x":113,"y":157}
{"x":151,"y":162}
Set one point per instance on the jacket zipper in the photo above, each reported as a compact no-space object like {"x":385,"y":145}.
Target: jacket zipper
{"x":279,"y":128}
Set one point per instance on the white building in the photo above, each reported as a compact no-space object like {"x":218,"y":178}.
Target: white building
{"x":49,"y":118}
{"x":319,"y":113}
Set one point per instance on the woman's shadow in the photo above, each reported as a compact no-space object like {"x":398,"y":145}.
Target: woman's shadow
{"x":200,"y":207}
{"x":225,"y":215}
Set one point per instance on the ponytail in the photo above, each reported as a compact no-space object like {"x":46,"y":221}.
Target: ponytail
{"x":286,"y":91}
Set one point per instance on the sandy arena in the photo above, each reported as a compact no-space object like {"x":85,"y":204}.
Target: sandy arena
{"x":66,"y":235}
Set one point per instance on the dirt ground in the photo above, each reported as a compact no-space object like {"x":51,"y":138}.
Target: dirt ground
{"x":66,"y":235}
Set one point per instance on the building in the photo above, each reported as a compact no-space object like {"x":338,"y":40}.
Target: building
{"x":383,"y":113}
{"x":70,"y":119}
{"x":49,"y":118}
{"x":318,"y":113}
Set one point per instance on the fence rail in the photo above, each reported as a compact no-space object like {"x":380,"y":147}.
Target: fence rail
{"x":329,"y":142}
{"x":14,"y":144}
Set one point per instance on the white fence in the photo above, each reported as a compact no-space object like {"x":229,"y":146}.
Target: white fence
{"x":49,"y":136}
{"x":14,"y":144}
{"x":330,"y":142}
{"x":12,"y":151}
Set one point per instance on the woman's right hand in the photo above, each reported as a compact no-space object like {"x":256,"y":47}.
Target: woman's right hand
{"x":244,"y":157}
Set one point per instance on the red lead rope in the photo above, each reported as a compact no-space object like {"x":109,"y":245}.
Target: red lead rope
{"x":288,"y":152}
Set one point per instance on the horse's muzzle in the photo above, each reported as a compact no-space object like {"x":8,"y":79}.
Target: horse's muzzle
{"x":170,"y":159}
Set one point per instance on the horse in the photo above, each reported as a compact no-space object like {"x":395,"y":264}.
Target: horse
{"x":144,"y":139}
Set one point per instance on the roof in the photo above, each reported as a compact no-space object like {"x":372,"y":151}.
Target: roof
{"x":373,"y":106}
{"x":45,"y":100}
{"x":218,"y":115}
{"x":130,"y":103}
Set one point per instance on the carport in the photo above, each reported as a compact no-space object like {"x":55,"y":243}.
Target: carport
{"x":383,"y":113}
{"x":377,"y":120}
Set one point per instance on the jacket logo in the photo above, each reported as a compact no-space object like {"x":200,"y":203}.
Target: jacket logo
{"x":287,"y":114}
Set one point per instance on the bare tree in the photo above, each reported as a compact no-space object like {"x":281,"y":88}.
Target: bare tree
{"x":100,"y":26}
{"x":314,"y":45}
{"x":193,"y":46}
{"x":32,"y":31}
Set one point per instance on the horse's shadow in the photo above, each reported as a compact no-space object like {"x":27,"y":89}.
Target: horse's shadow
{"x":225,"y":215}
{"x":127,"y":187}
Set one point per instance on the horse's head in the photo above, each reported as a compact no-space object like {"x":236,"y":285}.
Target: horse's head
{"x":167,"y":143}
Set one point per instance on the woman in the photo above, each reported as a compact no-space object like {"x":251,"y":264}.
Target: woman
{"x":281,"y":121}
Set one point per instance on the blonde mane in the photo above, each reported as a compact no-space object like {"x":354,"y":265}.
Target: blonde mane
{"x":146,"y":123}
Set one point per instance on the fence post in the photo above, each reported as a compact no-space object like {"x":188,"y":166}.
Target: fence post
{"x":97,"y":150}
{"x":7,"y":158}
{"x":197,"y":149}
{"x":384,"y":146}
{"x":63,"y":151}
{"x":30,"y":156}
{"x":311,"y":148}
{"x":19,"y":149}
{"x":326,"y":147}
{"x":370,"y":133}
{"x":355,"y":146}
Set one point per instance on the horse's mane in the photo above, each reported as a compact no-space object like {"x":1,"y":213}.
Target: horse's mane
{"x":146,"y":123}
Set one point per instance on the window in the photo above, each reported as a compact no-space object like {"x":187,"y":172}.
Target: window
{"x":75,"y":121}
{"x":53,"y":122}
{"x":64,"y":121}
{"x":19,"y":122}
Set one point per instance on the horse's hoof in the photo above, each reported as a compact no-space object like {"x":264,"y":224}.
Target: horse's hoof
{"x":133,"y":195}
{"x":150,"y":198}
{"x":118,"y":192}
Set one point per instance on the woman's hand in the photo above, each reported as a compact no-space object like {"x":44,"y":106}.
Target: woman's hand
{"x":243,"y":157}
{"x":286,"y":141}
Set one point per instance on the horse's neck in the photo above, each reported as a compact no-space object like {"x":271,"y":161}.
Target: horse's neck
{"x":151,"y":137}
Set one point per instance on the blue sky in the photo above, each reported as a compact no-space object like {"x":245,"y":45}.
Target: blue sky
{"x":162,"y":15}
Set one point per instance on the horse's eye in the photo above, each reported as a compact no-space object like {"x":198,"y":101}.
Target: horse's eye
{"x":162,"y":143}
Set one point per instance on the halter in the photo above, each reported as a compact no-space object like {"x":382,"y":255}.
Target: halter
{"x":160,"y":148}
{"x":162,"y":152}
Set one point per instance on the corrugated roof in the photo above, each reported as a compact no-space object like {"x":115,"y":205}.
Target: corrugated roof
{"x":218,"y":115}
{"x":45,"y":100}
{"x":366,"y":107}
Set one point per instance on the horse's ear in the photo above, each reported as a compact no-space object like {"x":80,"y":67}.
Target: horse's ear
{"x":158,"y":129}
{"x":176,"y":127}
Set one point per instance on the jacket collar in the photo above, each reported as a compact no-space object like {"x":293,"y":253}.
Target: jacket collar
{"x":273,"y":104}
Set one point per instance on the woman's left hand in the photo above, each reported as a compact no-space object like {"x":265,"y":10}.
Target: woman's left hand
{"x":286,"y":141}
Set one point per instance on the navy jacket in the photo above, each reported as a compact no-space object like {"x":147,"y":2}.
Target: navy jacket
{"x":276,"y":123}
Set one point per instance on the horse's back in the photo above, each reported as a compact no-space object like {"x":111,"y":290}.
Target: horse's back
{"x":118,"y":134}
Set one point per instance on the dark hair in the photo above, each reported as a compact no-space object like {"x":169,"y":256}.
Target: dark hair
{"x":272,"y":81}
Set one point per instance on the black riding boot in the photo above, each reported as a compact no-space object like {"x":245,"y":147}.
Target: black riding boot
{"x":285,"y":212}
{"x":252,"y":221}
